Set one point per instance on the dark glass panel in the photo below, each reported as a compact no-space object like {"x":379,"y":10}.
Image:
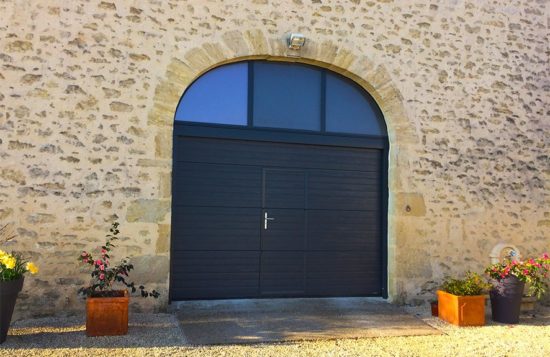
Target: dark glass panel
{"x":219,"y":96}
{"x":349,"y":110}
{"x":287,"y":96}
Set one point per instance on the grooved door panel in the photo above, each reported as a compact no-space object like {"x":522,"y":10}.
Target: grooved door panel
{"x":217,"y":228}
{"x":268,"y":154}
{"x":282,"y":273}
{"x":287,"y":230}
{"x":324,"y":230}
{"x":215,"y":274}
{"x":200,"y":184}
{"x":332,"y":230}
{"x":284,"y":189}
{"x":342,"y":273}
{"x":343,"y":190}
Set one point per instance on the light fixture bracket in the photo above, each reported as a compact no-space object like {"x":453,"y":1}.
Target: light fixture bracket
{"x":295,"y":41}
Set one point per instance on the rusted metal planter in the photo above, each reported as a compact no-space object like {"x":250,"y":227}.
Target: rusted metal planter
{"x":461,"y":310}
{"x":107,"y":316}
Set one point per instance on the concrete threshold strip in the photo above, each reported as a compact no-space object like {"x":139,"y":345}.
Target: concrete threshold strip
{"x":218,"y":322}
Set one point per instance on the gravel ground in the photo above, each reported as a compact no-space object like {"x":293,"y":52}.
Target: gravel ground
{"x":160,"y":335}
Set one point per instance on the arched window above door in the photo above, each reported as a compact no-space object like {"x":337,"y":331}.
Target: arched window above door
{"x":281,"y":95}
{"x":219,"y":96}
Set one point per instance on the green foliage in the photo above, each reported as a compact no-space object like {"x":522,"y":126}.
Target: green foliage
{"x":472,"y":284}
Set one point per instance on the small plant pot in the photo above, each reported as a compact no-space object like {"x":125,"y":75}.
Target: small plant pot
{"x":461,"y":310}
{"x":107,"y":316}
{"x":435,"y":308}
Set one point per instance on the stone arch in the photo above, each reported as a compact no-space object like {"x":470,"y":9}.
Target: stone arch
{"x":238,"y":46}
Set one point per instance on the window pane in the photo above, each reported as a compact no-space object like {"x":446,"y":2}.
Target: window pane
{"x":219,"y":96}
{"x":349,"y":110}
{"x":287,"y":96}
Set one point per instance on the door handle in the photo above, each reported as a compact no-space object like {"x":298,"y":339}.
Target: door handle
{"x":266,"y":218}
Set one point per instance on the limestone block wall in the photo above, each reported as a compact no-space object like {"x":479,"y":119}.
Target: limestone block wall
{"x":88,"y":90}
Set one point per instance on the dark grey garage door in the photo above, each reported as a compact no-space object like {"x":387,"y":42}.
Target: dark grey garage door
{"x":264,"y":219}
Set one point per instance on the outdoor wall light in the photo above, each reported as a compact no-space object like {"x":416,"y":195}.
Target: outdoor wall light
{"x":295,"y":41}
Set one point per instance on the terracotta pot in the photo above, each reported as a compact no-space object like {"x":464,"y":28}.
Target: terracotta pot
{"x":435,"y":308}
{"x":8,"y":295}
{"x":107,"y":316}
{"x":461,"y":310}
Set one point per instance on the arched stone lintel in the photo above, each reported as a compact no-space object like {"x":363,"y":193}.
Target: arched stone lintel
{"x":238,"y":46}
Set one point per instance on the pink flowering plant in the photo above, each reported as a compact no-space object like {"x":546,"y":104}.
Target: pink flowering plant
{"x":533,"y":271}
{"x":105,"y":275}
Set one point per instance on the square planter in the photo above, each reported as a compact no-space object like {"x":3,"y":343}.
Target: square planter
{"x":107,"y":316}
{"x":461,"y":310}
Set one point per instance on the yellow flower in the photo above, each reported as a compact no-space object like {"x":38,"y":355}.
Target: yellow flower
{"x":4,"y":258}
{"x":9,"y":262}
{"x":32,"y":268}
{"x":2,"y":254}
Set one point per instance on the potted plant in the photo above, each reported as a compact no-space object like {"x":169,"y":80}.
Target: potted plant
{"x":12,"y":274}
{"x":107,"y":305}
{"x":461,"y":301}
{"x":434,"y":308}
{"x":510,"y":277}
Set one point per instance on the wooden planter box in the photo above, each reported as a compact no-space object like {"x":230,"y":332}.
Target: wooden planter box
{"x":461,"y":310}
{"x":107,"y":316}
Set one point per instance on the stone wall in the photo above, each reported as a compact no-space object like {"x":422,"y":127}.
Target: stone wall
{"x":88,"y":90}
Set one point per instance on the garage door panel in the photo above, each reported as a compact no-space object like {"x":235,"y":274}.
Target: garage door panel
{"x":200,"y":281}
{"x":216,"y":228}
{"x":284,"y":189}
{"x":282,"y":273}
{"x":362,"y":282}
{"x":326,"y":236}
{"x":275,"y":154}
{"x":207,"y":274}
{"x":217,"y":261}
{"x":343,"y":230}
{"x":215,"y":292}
{"x":340,"y":287}
{"x":338,"y":190}
{"x":342,"y":273}
{"x":320,"y":263}
{"x":353,"y":177}
{"x":217,"y":185}
{"x":286,"y":231}
{"x":199,"y":268}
